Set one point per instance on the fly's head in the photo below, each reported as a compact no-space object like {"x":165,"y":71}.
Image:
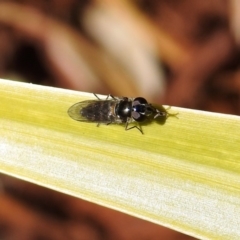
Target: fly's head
{"x":142,"y":110}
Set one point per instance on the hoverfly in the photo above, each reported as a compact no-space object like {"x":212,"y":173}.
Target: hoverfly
{"x":116,"y":110}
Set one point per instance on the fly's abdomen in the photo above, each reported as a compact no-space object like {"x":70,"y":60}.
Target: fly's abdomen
{"x":98,"y":111}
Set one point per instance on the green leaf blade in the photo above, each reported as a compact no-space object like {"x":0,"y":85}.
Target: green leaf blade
{"x":183,"y":174}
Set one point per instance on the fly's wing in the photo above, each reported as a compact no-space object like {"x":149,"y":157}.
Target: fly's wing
{"x":75,"y":110}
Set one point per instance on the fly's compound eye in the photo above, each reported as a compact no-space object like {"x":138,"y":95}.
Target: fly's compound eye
{"x":138,"y":111}
{"x":138,"y":117}
{"x":139,"y":100}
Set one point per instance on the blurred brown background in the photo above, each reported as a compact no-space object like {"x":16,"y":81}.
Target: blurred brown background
{"x":177,"y":52}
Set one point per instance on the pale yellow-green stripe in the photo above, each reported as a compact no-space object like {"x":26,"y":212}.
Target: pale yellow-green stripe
{"x":184,"y":174}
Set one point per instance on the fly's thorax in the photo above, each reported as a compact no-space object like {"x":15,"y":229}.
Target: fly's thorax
{"x":123,"y":110}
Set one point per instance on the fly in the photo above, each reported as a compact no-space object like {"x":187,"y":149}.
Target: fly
{"x":122,"y":110}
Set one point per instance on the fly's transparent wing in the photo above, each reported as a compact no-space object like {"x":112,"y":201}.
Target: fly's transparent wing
{"x":75,"y":110}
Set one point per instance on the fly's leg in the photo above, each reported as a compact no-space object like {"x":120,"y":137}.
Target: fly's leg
{"x":112,"y":97}
{"x":98,"y":99}
{"x":140,"y":130}
{"x":129,"y":128}
{"x":109,"y":95}
{"x":98,"y":124}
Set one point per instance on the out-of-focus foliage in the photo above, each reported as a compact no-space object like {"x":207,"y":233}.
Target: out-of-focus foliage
{"x":180,"y":53}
